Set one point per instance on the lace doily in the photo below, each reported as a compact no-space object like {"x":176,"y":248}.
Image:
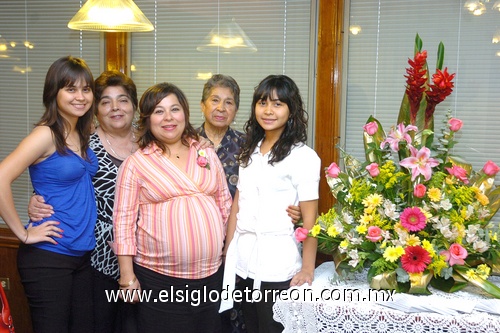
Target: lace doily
{"x":361,"y":316}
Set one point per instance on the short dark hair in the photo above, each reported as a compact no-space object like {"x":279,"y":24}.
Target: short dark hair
{"x":225,"y":81}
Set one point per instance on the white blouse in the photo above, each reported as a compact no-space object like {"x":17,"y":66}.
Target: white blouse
{"x":264,"y":247}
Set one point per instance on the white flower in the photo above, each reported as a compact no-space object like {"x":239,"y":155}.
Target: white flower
{"x":470,"y":212}
{"x":480,"y":246}
{"x":446,"y":204}
{"x":471,"y":238}
{"x":390,"y":210}
{"x":483,"y":212}
{"x":338,"y":226}
{"x":348,"y":219}
{"x":353,"y":254}
{"x":443,"y":223}
{"x":202,"y":153}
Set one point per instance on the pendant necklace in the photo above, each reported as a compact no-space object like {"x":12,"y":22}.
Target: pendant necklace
{"x":111,"y":147}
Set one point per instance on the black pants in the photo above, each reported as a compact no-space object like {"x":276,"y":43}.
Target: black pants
{"x":259,"y":315}
{"x":111,"y":317}
{"x":183,"y":311}
{"x":58,"y":288}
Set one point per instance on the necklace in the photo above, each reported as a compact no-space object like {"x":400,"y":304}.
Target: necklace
{"x":113,"y":151}
{"x":70,"y":143}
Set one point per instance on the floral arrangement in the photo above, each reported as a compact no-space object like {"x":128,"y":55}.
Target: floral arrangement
{"x":202,"y":159}
{"x":412,"y":213}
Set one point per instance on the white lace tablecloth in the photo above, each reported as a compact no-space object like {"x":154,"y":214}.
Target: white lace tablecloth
{"x":469,"y":310}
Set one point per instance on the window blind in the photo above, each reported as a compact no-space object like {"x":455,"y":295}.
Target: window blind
{"x":377,"y":58}
{"x":43,"y":26}
{"x":281,"y":31}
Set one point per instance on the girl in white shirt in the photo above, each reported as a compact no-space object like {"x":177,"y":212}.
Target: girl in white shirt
{"x":277,"y":169}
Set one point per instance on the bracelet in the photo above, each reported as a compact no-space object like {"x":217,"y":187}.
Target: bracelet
{"x":131,"y":282}
{"x":27,"y":235}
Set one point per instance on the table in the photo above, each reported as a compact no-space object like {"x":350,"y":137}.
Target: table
{"x":353,"y":308}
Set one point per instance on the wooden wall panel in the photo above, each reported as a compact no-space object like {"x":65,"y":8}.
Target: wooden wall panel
{"x":328,"y":89}
{"x":328,"y":94}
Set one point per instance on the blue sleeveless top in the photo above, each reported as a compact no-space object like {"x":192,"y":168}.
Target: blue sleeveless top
{"x":65,"y":182}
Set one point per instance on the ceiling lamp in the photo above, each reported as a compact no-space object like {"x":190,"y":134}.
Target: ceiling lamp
{"x":476,"y":7}
{"x":227,"y":38}
{"x":355,"y":29}
{"x":111,"y":16}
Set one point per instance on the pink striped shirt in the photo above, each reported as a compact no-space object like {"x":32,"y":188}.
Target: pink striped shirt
{"x":173,"y":221}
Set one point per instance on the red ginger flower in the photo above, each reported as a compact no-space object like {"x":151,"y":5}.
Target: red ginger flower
{"x":416,"y":80}
{"x":440,"y":89}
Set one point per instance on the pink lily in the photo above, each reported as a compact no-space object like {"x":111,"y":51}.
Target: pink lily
{"x":420,"y":162}
{"x":397,"y":135}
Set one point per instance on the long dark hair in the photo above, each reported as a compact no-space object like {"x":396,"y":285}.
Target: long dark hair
{"x":149,"y":100}
{"x":66,"y":71}
{"x":295,"y":129}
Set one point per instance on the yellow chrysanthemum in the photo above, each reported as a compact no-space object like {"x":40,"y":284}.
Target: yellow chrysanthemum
{"x":427,"y":214}
{"x":369,"y":209}
{"x":471,"y":274}
{"x":392,"y":253}
{"x":428,"y":247}
{"x":434,"y":194}
{"x":315,"y":230}
{"x":344,"y":244}
{"x":373,"y":200}
{"x":362,"y":229}
{"x":332,"y":231}
{"x":438,"y":265}
{"x":483,"y":271}
{"x":398,"y":227}
{"x":412,"y":240}
{"x":365,"y":219}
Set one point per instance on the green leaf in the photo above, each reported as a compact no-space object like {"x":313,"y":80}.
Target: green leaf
{"x":440,"y":56}
{"x":486,"y":285}
{"x":418,"y":44}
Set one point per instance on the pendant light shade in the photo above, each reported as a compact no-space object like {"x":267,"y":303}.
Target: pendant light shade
{"x":111,"y":16}
{"x":227,"y":38}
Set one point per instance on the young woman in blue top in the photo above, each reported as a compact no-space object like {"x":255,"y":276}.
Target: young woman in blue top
{"x":277,"y":169}
{"x":54,"y":261}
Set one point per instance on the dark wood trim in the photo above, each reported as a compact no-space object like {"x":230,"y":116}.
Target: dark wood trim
{"x":8,"y":239}
{"x":117,"y":48}
{"x":328,"y":89}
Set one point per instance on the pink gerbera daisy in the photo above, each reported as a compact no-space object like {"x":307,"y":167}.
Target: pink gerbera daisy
{"x":412,"y":219}
{"x":415,"y":259}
